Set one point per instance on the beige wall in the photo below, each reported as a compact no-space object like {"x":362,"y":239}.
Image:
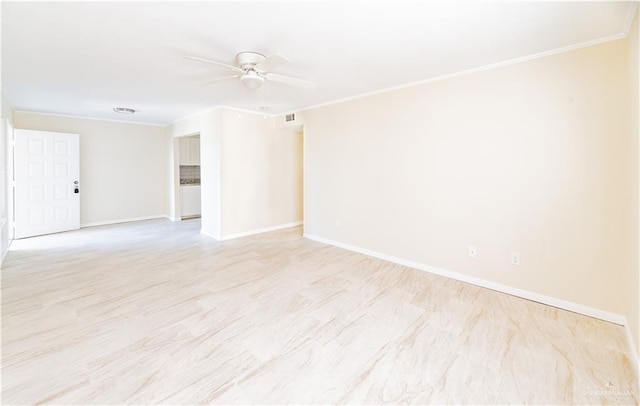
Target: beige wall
{"x":5,"y":210}
{"x":633,"y":307}
{"x":531,"y":157}
{"x":261,"y":173}
{"x":209,"y":125}
{"x":122,"y":166}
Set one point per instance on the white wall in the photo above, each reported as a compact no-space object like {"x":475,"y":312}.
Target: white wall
{"x":532,"y":157}
{"x":261,"y":173}
{"x":5,"y":208}
{"x":123,"y":166}
{"x":251,"y":172}
{"x":209,"y":125}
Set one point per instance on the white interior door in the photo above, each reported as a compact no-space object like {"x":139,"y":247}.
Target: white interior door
{"x":47,"y":182}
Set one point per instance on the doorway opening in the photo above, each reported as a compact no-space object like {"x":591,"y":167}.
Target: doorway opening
{"x":188,"y":200}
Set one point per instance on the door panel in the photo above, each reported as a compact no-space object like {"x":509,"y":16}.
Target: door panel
{"x":47,"y":172}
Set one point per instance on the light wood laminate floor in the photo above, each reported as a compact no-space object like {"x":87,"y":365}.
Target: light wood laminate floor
{"x":154,"y":312}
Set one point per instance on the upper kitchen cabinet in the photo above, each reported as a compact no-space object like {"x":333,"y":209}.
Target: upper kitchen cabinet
{"x":190,"y":150}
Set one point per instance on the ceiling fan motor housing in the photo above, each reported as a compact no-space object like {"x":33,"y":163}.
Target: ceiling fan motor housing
{"x":248,"y":60}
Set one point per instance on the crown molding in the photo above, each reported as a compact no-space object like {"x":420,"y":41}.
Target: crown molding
{"x":465,"y":72}
{"x":5,"y":95}
{"x":89,"y":118}
{"x":628,"y":20}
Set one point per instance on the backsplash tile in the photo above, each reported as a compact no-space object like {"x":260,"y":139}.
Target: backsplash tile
{"x":189,"y":174}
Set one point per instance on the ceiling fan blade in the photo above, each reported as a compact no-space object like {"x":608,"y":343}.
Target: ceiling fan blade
{"x":233,"y":68}
{"x":271,"y":63}
{"x":209,"y":82}
{"x":289,"y":80}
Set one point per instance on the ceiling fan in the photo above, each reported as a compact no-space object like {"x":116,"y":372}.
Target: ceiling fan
{"x":253,"y":69}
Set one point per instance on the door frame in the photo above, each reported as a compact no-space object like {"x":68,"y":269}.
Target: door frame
{"x":10,"y":182}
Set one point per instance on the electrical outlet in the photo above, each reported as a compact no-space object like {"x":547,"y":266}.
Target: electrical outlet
{"x":338,"y":224}
{"x":473,"y":251}
{"x":515,"y":258}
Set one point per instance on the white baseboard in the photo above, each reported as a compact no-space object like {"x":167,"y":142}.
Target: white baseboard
{"x":5,"y":252}
{"x":4,"y":222}
{"x":633,"y":350}
{"x":261,"y":230}
{"x":215,"y":237}
{"x":129,"y":220}
{"x":525,"y":294}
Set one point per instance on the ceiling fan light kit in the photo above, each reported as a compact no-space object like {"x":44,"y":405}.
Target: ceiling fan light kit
{"x":252,"y":79}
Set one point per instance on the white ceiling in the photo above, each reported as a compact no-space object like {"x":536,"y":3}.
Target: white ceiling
{"x":84,"y":58}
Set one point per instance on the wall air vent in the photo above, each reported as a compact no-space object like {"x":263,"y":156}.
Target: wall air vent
{"x":289,"y":120}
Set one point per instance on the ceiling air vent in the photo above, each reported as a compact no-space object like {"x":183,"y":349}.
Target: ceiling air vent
{"x":290,"y":118}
